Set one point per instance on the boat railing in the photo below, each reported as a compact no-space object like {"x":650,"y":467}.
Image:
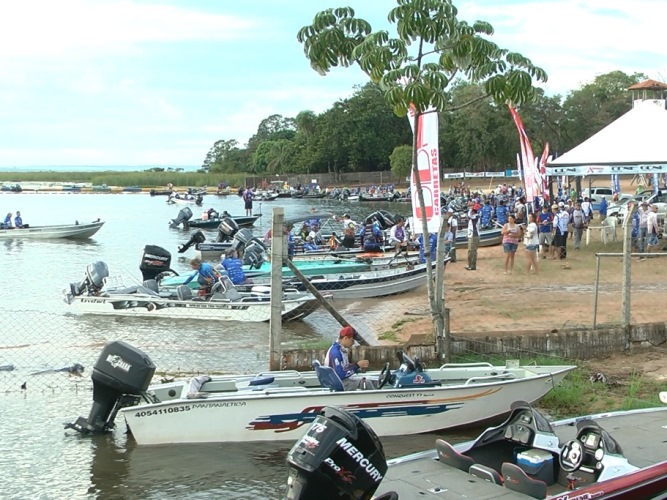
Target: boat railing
{"x":479,"y":364}
{"x":490,"y":378}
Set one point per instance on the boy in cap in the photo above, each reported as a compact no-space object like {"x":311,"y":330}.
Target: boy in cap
{"x":338,"y":359}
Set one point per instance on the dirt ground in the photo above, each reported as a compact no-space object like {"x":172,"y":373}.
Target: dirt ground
{"x":561,"y":295}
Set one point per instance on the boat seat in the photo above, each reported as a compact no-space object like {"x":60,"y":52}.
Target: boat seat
{"x":328,"y":377}
{"x":448,"y":455}
{"x":151,"y":285}
{"x":486,"y":473}
{"x":184,"y":292}
{"x":517,"y":480}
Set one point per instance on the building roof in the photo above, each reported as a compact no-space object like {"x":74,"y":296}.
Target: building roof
{"x":649,"y":85}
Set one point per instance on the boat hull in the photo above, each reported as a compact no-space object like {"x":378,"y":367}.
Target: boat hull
{"x":487,"y":238}
{"x":70,"y":231}
{"x":279,"y":413}
{"x":215,"y":222}
{"x":145,"y":306}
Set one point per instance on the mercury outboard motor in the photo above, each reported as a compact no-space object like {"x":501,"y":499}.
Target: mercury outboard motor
{"x":339,"y":457}
{"x":195,"y":238}
{"x":93,"y":281}
{"x":120,"y":377}
{"x":182,"y":218}
{"x":241,"y":240}
{"x":199,"y":199}
{"x":227,"y":229}
{"x":154,"y":261}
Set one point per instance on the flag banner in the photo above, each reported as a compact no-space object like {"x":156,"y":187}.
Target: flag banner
{"x":531,"y":173}
{"x":428,"y":169}
{"x":543,"y":172}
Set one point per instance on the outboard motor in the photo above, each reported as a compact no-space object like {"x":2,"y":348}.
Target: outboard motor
{"x":241,"y":240}
{"x":253,"y":255}
{"x":182,"y":218}
{"x":154,"y":261}
{"x":227,"y":229}
{"x":322,"y":463}
{"x":120,"y":376}
{"x":93,"y":281}
{"x":199,"y":199}
{"x":196,"y":238}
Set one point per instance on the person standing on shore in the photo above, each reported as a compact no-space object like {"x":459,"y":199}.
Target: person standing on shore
{"x":511,"y":234}
{"x":473,"y":237}
{"x":546,"y":218}
{"x":561,"y":222}
{"x":453,"y":226}
{"x":604,"y":206}
{"x":531,"y":241}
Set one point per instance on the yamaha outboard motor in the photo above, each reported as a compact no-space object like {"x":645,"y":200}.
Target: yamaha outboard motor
{"x":120,"y":376}
{"x":154,"y":261}
{"x":241,"y":240}
{"x":195,"y":238}
{"x":93,"y":281}
{"x":227,"y":229}
{"x":339,"y":457}
{"x":182,"y":218}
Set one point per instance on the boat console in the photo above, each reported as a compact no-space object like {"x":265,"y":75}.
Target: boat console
{"x":525,"y":449}
{"x":409,"y":374}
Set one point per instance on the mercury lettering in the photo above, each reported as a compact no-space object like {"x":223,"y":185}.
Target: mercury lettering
{"x":360,"y":459}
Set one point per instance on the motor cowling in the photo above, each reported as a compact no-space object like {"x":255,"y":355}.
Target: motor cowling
{"x":195,"y":238}
{"x":121,"y":371}
{"x":253,"y":254}
{"x":93,"y":280}
{"x":227,"y":229}
{"x":241,"y":239}
{"x":339,"y":457}
{"x":183,"y":217}
{"x":154,"y":261}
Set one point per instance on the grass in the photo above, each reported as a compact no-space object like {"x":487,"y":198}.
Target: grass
{"x":146,"y":178}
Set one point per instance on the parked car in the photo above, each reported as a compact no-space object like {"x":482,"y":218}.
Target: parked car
{"x":620,"y":209}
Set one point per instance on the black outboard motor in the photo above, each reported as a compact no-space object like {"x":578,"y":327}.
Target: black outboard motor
{"x":182,"y":218}
{"x":154,"y":261}
{"x":199,"y":199}
{"x":241,"y":239}
{"x":339,"y":457}
{"x":253,"y":254}
{"x":93,"y":281}
{"x":227,"y":229}
{"x":195,"y":238}
{"x":120,"y":376}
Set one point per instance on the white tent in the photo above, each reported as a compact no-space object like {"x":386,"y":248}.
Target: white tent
{"x":636,"y":143}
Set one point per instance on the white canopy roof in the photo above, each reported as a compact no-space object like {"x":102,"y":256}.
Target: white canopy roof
{"x":634,"y":143}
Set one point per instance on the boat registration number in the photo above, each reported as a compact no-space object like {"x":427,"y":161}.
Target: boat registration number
{"x":162,"y":411}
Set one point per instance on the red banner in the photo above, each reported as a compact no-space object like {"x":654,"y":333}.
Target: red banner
{"x":428,"y":167}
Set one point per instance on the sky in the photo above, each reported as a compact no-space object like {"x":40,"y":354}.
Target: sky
{"x":105,"y":83}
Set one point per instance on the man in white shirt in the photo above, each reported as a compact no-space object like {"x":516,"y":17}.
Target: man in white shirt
{"x":587,"y":208}
{"x":652,"y":229}
{"x":398,"y":236}
{"x":453,"y":226}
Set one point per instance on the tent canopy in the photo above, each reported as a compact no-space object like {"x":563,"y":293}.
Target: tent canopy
{"x":634,"y":143}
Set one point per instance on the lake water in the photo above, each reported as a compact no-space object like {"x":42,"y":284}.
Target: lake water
{"x":40,"y":459}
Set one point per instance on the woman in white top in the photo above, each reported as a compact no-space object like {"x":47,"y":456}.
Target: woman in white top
{"x":531,"y":240}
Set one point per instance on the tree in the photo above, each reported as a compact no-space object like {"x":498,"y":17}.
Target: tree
{"x":401,"y":161}
{"x":432,"y":48}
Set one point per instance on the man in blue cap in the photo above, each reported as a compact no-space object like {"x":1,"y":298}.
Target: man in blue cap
{"x":338,"y":359}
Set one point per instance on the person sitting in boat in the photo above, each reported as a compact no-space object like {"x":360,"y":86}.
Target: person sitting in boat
{"x":234,"y":267}
{"x":333,"y":242}
{"x":315,"y":234}
{"x":205,"y":273}
{"x":398,"y":236}
{"x":309,"y":245}
{"x":337,"y":358}
{"x":348,"y":235}
{"x":18,"y":220}
{"x":371,"y":236}
{"x":304,"y":231}
{"x":7,"y":224}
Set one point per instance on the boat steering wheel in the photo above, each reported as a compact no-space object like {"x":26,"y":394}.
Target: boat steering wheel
{"x":385,"y":375}
{"x":571,"y":456}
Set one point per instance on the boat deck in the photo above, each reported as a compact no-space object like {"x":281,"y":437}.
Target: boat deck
{"x":642,"y":436}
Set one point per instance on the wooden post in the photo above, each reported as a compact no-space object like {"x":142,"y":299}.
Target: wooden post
{"x":627,"y":258}
{"x":597,"y":290}
{"x":322,"y":301}
{"x":277,"y":255}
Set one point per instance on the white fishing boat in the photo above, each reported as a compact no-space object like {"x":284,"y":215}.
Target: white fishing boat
{"x":280,"y":405}
{"x":100,"y":295}
{"x":72,"y":231}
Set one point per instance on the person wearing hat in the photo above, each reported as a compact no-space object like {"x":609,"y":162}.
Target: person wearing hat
{"x":473,"y":237}
{"x":561,"y":223}
{"x":338,"y":358}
